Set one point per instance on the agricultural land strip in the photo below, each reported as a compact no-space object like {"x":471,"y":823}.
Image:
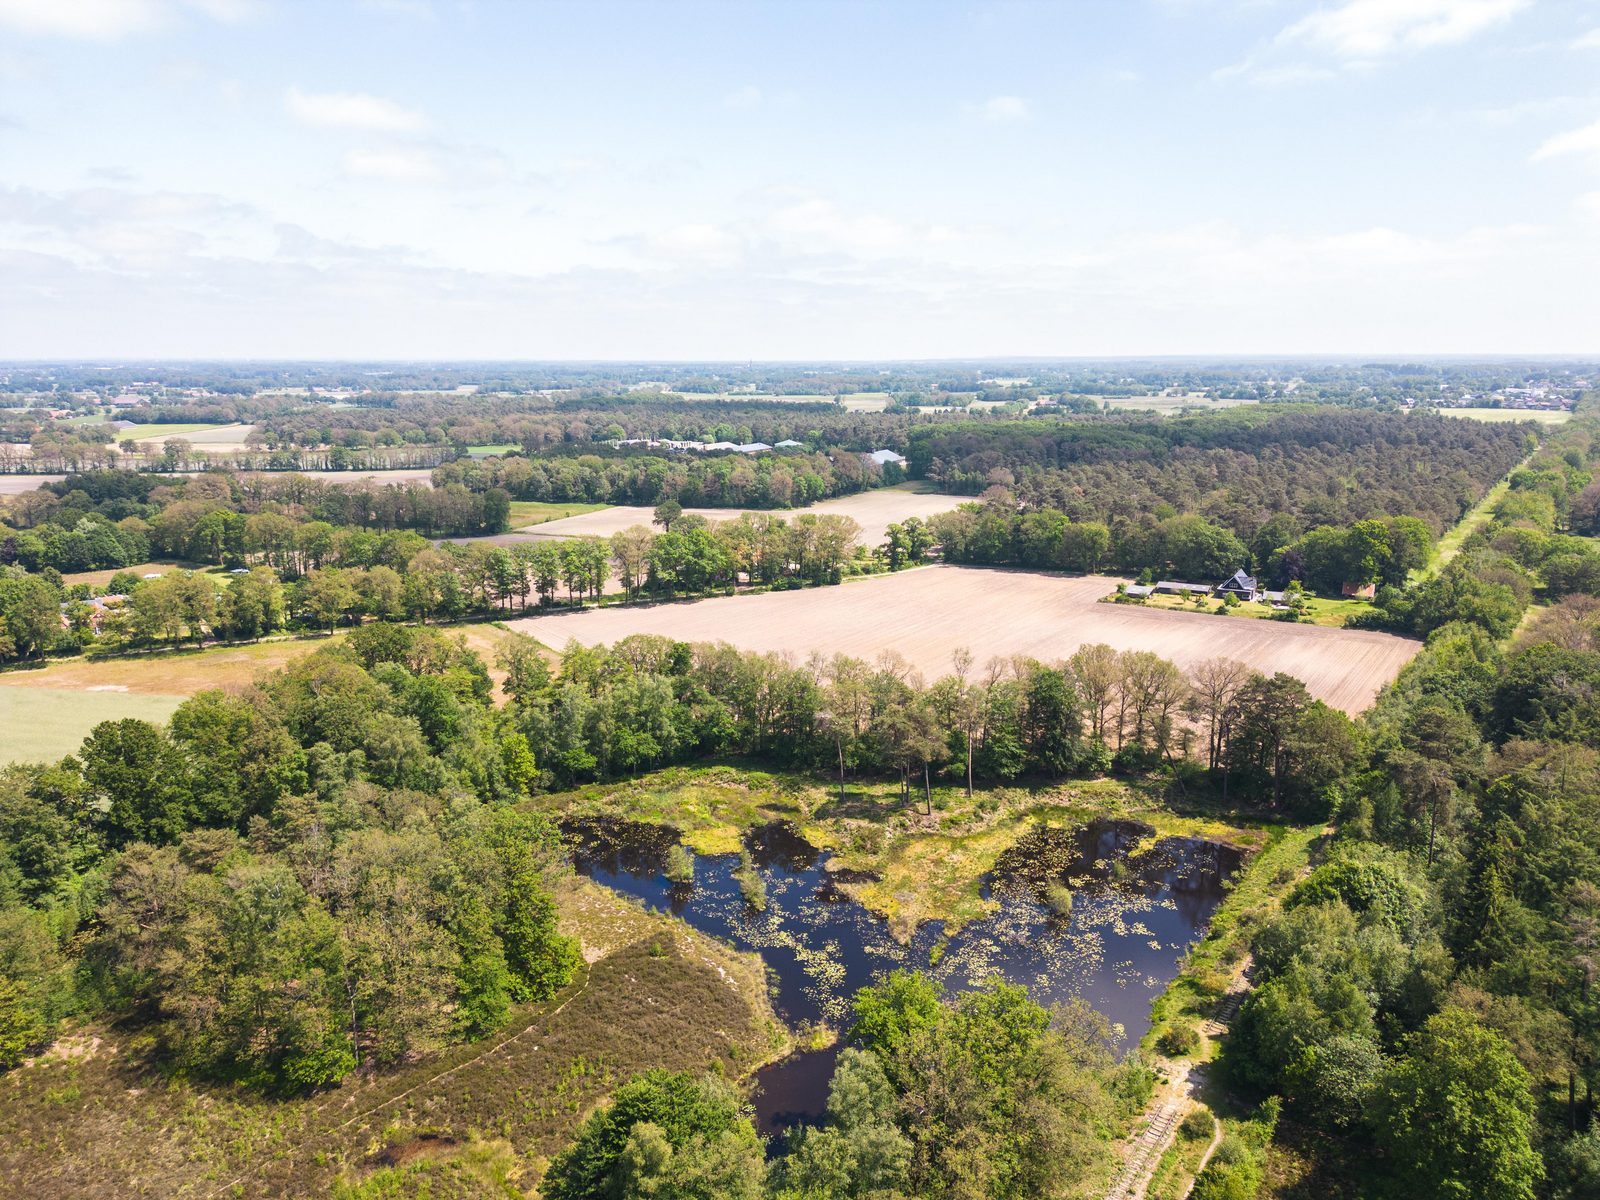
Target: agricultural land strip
{"x":927,"y":614}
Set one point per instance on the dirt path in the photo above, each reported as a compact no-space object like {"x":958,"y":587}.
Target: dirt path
{"x":1173,"y":1101}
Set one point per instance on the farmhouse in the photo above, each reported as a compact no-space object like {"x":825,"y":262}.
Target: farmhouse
{"x":1238,"y":584}
{"x":1171,"y":587}
{"x":752,"y":448}
{"x":790,"y":444}
{"x":1359,"y":591}
{"x":884,"y":457}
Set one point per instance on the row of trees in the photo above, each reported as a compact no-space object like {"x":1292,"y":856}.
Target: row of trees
{"x":648,"y":701}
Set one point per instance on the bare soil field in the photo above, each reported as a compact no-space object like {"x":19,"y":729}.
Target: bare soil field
{"x":874,"y":511}
{"x":15,"y":485}
{"x":926,"y":614}
{"x":221,"y":438}
{"x":390,"y":475}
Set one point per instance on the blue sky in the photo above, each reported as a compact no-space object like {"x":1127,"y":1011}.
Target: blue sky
{"x":471,"y":178}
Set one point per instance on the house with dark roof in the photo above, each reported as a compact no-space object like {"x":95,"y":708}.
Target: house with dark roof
{"x":1238,"y":584}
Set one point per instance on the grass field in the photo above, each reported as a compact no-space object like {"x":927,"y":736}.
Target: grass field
{"x":526,"y":513}
{"x":165,"y":672}
{"x":873,"y":510}
{"x":145,"y":433}
{"x":1542,"y":416}
{"x":185,"y":672}
{"x":928,"y":613}
{"x":653,"y":994}
{"x":43,"y":724}
{"x":497,"y":448}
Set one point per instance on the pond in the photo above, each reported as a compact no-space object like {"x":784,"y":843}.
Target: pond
{"x":1136,"y":907}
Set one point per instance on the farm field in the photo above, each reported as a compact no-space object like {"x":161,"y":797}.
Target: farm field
{"x":211,"y":437}
{"x":1166,"y":404}
{"x":157,"y":431}
{"x":525,"y":513}
{"x":15,"y":485}
{"x":162,"y":673}
{"x":874,"y":511}
{"x":1542,"y":416}
{"x":926,"y":614}
{"x":388,"y":475}
{"x":185,"y":672}
{"x":102,"y":577}
{"x":43,"y":724}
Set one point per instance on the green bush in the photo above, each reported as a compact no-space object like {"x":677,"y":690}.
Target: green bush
{"x":1179,"y":1041}
{"x":680,"y":865}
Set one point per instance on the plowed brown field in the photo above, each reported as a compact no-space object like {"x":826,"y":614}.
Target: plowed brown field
{"x":926,"y":614}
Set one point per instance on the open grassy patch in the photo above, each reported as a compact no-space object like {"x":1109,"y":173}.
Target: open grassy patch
{"x":99,"y":579}
{"x":43,"y":724}
{"x":1327,"y":612}
{"x":1543,"y":416}
{"x":536,"y":512}
{"x":711,"y":807}
{"x":165,"y":672}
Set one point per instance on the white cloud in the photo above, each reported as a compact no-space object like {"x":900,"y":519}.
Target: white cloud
{"x":88,"y":19}
{"x":1358,"y":34}
{"x":1574,"y":141}
{"x":1369,"y":29}
{"x":1004,"y":108}
{"x":396,"y":165}
{"x":352,"y":110}
{"x":105,"y":20}
{"x":1589,"y":41}
{"x":748,"y":96}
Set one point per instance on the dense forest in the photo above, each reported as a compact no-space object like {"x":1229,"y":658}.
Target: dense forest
{"x":1246,"y":470}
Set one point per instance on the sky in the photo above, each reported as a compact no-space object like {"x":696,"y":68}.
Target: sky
{"x":476,"y":179}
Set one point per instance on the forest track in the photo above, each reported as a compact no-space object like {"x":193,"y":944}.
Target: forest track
{"x":1143,"y":1151}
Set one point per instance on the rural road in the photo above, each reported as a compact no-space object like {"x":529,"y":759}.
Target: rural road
{"x":1172,"y":1102}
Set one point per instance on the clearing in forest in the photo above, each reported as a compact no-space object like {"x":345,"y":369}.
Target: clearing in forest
{"x":926,"y":614}
{"x":42,"y":724}
{"x":873,"y":510}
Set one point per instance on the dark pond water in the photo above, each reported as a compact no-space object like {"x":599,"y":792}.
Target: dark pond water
{"x":1132,"y":918}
